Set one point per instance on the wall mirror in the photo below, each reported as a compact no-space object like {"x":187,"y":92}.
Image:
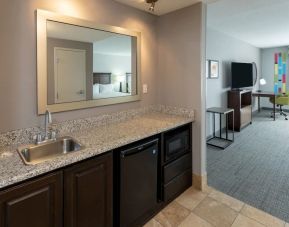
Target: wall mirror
{"x":81,"y":64}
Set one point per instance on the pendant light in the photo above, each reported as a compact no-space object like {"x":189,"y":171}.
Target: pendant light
{"x":152,"y":4}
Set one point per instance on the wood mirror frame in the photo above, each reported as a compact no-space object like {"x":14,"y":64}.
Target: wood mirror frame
{"x":42,"y":18}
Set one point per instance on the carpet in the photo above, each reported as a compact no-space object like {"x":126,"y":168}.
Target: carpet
{"x":255,"y":168}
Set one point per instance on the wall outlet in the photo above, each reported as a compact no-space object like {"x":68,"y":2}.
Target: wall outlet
{"x":145,"y":88}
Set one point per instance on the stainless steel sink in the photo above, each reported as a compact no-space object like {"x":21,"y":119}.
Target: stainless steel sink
{"x":34,"y":154}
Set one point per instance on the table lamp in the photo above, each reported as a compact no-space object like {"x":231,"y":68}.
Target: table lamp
{"x":120,"y":79}
{"x":262,"y":82}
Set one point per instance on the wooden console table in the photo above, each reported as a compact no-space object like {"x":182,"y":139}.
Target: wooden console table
{"x":241,"y":102}
{"x":268,"y":95}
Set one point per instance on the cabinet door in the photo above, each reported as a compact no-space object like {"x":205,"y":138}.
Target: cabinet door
{"x":88,"y":193}
{"x":33,"y":204}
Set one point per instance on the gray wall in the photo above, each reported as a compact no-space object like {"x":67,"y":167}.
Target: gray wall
{"x":267,"y":64}
{"x":226,"y":49}
{"x":180,"y":73}
{"x":88,"y":47}
{"x":18,"y":99}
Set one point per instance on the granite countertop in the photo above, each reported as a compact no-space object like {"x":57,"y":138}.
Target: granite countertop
{"x":96,"y":140}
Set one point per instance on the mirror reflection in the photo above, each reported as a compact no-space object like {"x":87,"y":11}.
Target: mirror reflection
{"x":88,"y":64}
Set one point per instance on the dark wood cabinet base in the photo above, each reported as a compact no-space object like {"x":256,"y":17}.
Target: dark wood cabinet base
{"x":241,"y":102}
{"x":86,"y":194}
{"x":33,"y":204}
{"x":178,"y":185}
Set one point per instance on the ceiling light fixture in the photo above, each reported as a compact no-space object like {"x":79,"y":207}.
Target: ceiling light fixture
{"x":152,"y":6}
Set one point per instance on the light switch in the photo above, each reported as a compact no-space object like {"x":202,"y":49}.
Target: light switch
{"x":145,"y":88}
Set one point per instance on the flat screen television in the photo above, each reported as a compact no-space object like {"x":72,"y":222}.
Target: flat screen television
{"x":242,"y":75}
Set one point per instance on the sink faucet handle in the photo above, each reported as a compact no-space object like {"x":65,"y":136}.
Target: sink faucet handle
{"x":34,"y":138}
{"x":53,"y":135}
{"x":38,"y":138}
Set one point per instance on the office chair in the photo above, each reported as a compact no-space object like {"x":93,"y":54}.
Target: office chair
{"x":280,"y":101}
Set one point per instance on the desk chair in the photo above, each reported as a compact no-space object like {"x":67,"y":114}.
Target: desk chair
{"x":281,"y":100}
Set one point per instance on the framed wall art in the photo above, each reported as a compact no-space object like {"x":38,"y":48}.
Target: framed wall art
{"x":213,"y":69}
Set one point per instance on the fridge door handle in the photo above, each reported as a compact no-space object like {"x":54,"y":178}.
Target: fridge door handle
{"x":140,"y":148}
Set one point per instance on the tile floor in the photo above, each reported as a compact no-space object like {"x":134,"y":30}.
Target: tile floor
{"x":212,"y":208}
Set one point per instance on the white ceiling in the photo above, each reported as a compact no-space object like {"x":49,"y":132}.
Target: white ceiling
{"x":161,"y":7}
{"x":262,"y":23}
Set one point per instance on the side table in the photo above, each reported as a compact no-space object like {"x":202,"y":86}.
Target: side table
{"x":221,"y":111}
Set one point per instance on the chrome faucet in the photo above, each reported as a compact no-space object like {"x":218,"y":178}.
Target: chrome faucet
{"x":48,"y":120}
{"x":39,"y":138}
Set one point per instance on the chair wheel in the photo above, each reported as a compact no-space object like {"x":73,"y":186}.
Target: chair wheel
{"x":286,"y":119}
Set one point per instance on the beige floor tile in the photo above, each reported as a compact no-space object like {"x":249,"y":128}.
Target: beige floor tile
{"x":287,"y":225}
{"x":191,"y":198}
{"x":208,"y":190}
{"x":243,"y":221}
{"x":228,"y":200}
{"x":152,"y":223}
{"x":262,"y":217}
{"x":172,"y":215}
{"x":215,"y":212}
{"x":195,"y":221}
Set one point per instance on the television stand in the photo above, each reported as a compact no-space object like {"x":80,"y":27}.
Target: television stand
{"x":236,"y":89}
{"x":241,"y":102}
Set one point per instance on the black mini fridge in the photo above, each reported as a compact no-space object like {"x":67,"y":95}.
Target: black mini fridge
{"x":138,"y":183}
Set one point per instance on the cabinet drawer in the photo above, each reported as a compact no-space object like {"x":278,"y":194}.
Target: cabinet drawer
{"x":177,"y":167}
{"x":177,"y":185}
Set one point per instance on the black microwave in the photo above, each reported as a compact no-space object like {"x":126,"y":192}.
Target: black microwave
{"x":177,"y":142}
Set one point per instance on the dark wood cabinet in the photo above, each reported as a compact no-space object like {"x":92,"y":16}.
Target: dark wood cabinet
{"x":241,"y":102}
{"x":37,"y":203}
{"x":81,"y":195}
{"x":177,"y":167}
{"x":88,"y":193}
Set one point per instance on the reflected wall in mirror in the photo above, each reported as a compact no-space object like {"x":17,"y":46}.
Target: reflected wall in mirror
{"x":83,"y":65}
{"x":86,"y":64}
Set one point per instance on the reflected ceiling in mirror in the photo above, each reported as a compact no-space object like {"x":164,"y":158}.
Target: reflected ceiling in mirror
{"x":85,"y":65}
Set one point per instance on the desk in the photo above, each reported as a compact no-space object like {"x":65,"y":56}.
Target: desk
{"x":267,"y":94}
{"x":220,"y":111}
